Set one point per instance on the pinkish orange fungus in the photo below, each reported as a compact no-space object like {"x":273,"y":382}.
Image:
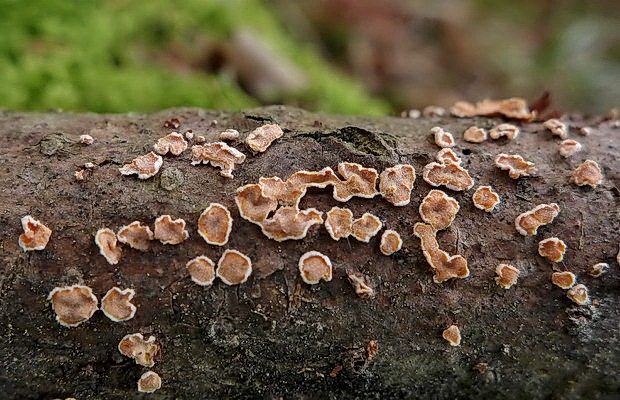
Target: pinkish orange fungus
{"x":588,"y":173}
{"x":506,"y":275}
{"x":202,"y":270}
{"x":170,"y":231}
{"x":215,"y":224}
{"x":35,"y":236}
{"x":396,"y":183}
{"x":391,"y":242}
{"x":145,"y":166}
{"x":361,"y":284}
{"x":515,"y":165}
{"x":444,"y":265}
{"x":338,"y":222}
{"x":116,"y":304}
{"x":261,"y":138}
{"x":513,"y":108}
{"x":220,"y":155}
{"x":365,"y":227}
{"x":136,"y":235}
{"x":528,"y":223}
{"x":473,"y":134}
{"x":108,"y":247}
{"x":557,"y":127}
{"x":485,"y":198}
{"x":552,"y":248}
{"x":314,"y":266}
{"x":438,"y":209}
{"x":569,"y":147}
{"x":358,"y":181}
{"x":578,"y":294}
{"x":447,"y":155}
{"x":234,"y":267}
{"x":453,"y":335}
{"x":253,"y":205}
{"x":73,"y":304}
{"x":442,"y":138}
{"x":509,"y":130}
{"x":290,"y":223}
{"x":149,"y":382}
{"x":564,"y":280}
{"x":173,"y":143}
{"x":142,"y":350}
{"x":450,"y":175}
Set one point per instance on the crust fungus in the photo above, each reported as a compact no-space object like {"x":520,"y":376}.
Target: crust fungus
{"x":170,"y":231}
{"x":261,"y":138}
{"x":528,"y":223}
{"x":136,"y":235}
{"x":145,"y":166}
{"x":200,"y":139}
{"x":289,"y":223}
{"x":450,"y":175}
{"x":189,"y":134}
{"x":578,"y":294}
{"x":319,"y":179}
{"x":253,"y":205}
{"x":447,"y":155}
{"x":433,"y":111}
{"x":73,"y":304}
{"x":438,"y":209}
{"x":509,"y":130}
{"x":35,"y":236}
{"x":202,"y":270}
{"x":143,"y":351}
{"x":473,"y":134}
{"x":391,"y":242}
{"x":105,"y":238}
{"x":116,"y":304}
{"x":485,"y":198}
{"x":172,"y":123}
{"x":86,"y":139}
{"x":220,"y":155}
{"x":442,"y":138}
{"x":171,"y":143}
{"x":515,"y":165}
{"x":338,"y":222}
{"x":444,"y":265}
{"x":598,"y":269}
{"x":229,"y":134}
{"x":79,"y":175}
{"x":233,"y":267}
{"x":149,"y":382}
{"x":359,"y":181}
{"x":365,"y":227}
{"x":507,"y":275}
{"x":585,"y":130}
{"x":314,"y":266}
{"x":588,"y":173}
{"x":552,"y":248}
{"x":215,"y":224}
{"x":396,"y":184}
{"x":569,"y":147}
{"x":513,"y":108}
{"x":284,"y":192}
{"x":556,"y":127}
{"x":564,"y":280}
{"x":452,"y":335}
{"x":361,"y":284}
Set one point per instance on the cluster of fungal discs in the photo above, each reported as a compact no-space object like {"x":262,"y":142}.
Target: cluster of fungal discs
{"x":273,"y":205}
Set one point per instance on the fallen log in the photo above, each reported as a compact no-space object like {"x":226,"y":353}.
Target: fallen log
{"x":275,"y":336}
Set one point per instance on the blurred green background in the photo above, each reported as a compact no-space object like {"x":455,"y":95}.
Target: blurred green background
{"x":344,"y":56}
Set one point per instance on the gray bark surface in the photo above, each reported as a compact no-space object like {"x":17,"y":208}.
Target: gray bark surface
{"x":274,"y":336}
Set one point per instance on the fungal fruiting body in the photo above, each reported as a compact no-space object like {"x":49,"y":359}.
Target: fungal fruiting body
{"x":289,"y":192}
{"x":220,"y":155}
{"x":149,"y":382}
{"x":433,"y":111}
{"x":215,"y":224}
{"x":253,"y":205}
{"x":86,"y":139}
{"x":189,"y":134}
{"x":229,"y":134}
{"x":142,"y":350}
{"x":79,"y":175}
{"x":116,"y":304}
{"x":585,"y":130}
{"x":360,"y":284}
{"x":598,"y":269}
{"x":473,"y":134}
{"x":365,"y":227}
{"x":451,"y":175}
{"x":447,"y":155}
{"x":35,"y":236}
{"x":564,"y":280}
{"x":453,"y":335}
{"x":289,"y":223}
{"x":444,"y":265}
{"x":173,"y":143}
{"x":358,"y":181}
{"x":391,"y":242}
{"x":569,"y":147}
{"x":515,"y":165}
{"x":170,"y":231}
{"x":485,"y":198}
{"x":105,"y":239}
{"x":556,"y":127}
{"x":509,"y":130}
{"x":438,"y":209}
{"x":145,"y":166}
{"x":202,"y":270}
{"x":234,"y":267}
{"x":588,"y":173}
{"x":314,"y":266}
{"x":528,"y":223}
{"x":262,"y":137}
{"x":396,"y":183}
{"x":443,"y":138}
{"x":507,"y":275}
{"x":578,"y":294}
{"x":514,"y":108}
{"x":73,"y":304}
{"x":338,"y":222}
{"x":552,"y":248}
{"x":136,"y":235}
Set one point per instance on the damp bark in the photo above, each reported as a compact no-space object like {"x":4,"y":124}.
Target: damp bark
{"x":275,"y":336}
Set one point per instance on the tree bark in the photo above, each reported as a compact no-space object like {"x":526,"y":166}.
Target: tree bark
{"x":274,"y":336}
